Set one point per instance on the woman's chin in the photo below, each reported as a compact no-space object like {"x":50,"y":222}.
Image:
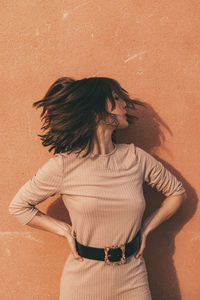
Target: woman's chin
{"x":123,"y":124}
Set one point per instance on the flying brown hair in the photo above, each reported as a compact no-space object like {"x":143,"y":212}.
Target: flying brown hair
{"x":70,"y":108}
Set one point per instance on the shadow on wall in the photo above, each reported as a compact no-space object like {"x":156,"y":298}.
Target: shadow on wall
{"x":146,"y":133}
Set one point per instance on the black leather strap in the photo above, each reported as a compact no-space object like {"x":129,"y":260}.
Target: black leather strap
{"x":114,"y":254}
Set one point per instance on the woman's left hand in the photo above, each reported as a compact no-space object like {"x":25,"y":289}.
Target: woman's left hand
{"x":142,"y":244}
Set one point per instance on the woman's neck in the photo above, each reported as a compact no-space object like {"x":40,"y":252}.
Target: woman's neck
{"x":102,"y":143}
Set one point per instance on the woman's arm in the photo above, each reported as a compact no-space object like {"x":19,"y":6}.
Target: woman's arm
{"x":157,"y":176}
{"x":169,"y":206}
{"x":47,"y":223}
{"x":45,"y":183}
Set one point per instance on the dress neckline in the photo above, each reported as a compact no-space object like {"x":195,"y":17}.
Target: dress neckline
{"x":91,"y":154}
{"x":107,"y":154}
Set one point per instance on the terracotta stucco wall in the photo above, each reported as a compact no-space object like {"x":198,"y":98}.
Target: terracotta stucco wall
{"x":152,"y":48}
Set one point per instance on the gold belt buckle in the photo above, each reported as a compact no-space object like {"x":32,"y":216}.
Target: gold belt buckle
{"x":121,"y":261}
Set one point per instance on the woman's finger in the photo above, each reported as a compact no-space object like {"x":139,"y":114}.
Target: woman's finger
{"x":142,"y":246}
{"x":74,"y":251}
{"x":72,"y":245}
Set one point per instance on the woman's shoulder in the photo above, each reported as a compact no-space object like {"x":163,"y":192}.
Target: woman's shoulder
{"x":131,"y":147}
{"x":128,"y":151}
{"x":136,"y":152}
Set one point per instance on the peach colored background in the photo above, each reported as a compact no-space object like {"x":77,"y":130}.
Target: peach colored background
{"x":152,"y":48}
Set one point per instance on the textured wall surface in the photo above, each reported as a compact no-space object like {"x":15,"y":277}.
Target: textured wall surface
{"x":152,"y":48}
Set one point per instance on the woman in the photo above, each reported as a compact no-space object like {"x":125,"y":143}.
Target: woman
{"x":101,"y":184}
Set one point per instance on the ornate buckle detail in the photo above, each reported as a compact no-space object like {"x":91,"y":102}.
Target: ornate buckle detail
{"x":107,"y":255}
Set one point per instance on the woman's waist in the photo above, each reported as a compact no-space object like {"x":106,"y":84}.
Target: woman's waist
{"x":105,"y":237}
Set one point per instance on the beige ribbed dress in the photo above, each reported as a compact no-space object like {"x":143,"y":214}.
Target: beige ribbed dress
{"x":104,"y":197}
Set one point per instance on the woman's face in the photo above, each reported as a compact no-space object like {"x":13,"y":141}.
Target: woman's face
{"x":119,"y":111}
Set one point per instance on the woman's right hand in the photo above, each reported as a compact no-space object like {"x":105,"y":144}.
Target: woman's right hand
{"x":48,"y":223}
{"x":71,"y":240}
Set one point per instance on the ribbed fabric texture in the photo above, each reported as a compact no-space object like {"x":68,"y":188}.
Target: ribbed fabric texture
{"x":104,"y":197}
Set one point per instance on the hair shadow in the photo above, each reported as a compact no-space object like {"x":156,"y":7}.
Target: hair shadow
{"x":148,"y":132}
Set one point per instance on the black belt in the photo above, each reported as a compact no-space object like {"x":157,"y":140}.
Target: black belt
{"x":111,"y":255}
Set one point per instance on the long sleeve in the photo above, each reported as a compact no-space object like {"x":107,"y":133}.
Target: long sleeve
{"x":45,"y":183}
{"x":156,"y":175}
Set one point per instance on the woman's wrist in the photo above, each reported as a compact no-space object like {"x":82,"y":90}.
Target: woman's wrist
{"x":146,"y":226}
{"x":48,"y":223}
{"x":145,"y":232}
{"x":64,"y":229}
{"x":67,"y":230}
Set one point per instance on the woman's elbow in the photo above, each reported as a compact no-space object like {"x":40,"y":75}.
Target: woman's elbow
{"x":174,"y":202}
{"x":180,"y":199}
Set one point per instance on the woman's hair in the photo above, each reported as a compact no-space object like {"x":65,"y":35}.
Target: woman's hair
{"x":72,"y":108}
